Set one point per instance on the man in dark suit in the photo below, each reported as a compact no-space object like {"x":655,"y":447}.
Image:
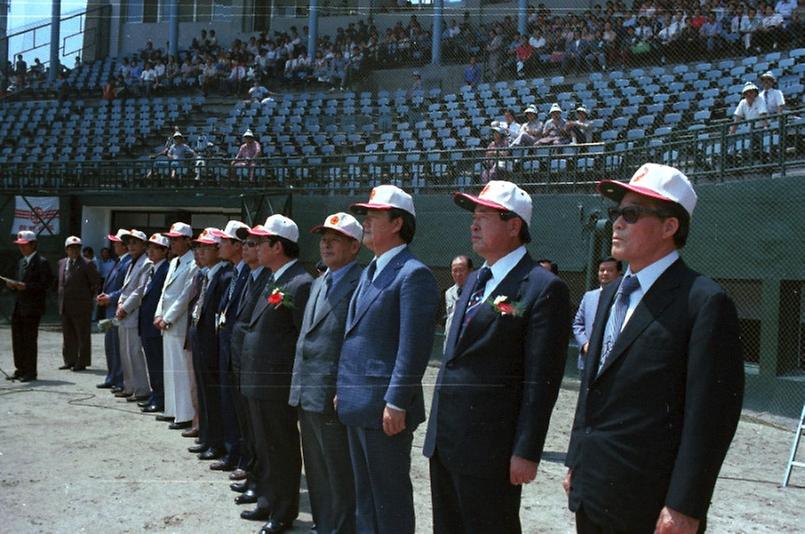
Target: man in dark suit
{"x":112,"y":287}
{"x":79,"y":283}
{"x":608,"y":270}
{"x":150,"y":335}
{"x":500,"y":374}
{"x":328,"y":470}
{"x":265,"y":379}
{"x":664,"y":357}
{"x":387,"y":345}
{"x":204,"y":341}
{"x":33,"y":279}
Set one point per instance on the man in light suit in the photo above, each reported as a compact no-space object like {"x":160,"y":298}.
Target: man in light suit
{"x":132,"y":357}
{"x":608,"y":270}
{"x":267,"y":363}
{"x":79,"y":283}
{"x":665,"y":356}
{"x":150,"y":335}
{"x":325,"y":446}
{"x":500,"y":375}
{"x":108,"y":299}
{"x":460,"y":269}
{"x":387,"y":345}
{"x":171,"y":317}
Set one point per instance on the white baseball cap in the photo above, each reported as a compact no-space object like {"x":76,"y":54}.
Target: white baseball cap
{"x":138,"y":234}
{"x":72,"y":241}
{"x":385,"y":197}
{"x":655,"y":181}
{"x":343,"y":223}
{"x":277,"y":225}
{"x":118,"y":237}
{"x":179,"y":229}
{"x":159,"y":239}
{"x":209,"y":236}
{"x":24,"y":237}
{"x":499,"y":127}
{"x":232,"y":229}
{"x":248,"y":133}
{"x":500,"y":195}
{"x":582,"y":109}
{"x":178,"y":134}
{"x":555,"y":107}
{"x":749,"y":86}
{"x":531,"y":109}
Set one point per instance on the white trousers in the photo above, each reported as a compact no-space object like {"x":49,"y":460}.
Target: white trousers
{"x":132,"y":359}
{"x":179,"y":382}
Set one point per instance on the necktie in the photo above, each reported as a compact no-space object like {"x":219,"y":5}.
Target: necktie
{"x":325,"y":289}
{"x":616,"y":318}
{"x":246,"y":295}
{"x":370,"y":274}
{"x":200,"y":302}
{"x":476,"y":297}
{"x":23,"y":269}
{"x":149,"y":278}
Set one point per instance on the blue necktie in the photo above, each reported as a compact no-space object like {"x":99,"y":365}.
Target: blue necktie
{"x":370,"y":274}
{"x":616,"y":318}
{"x":484,"y":275}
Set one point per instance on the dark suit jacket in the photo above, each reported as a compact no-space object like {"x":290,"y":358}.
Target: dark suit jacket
{"x":77,"y":291}
{"x":270,"y":338}
{"x":148,"y":306}
{"x":38,"y":279}
{"x":228,"y":307}
{"x":319,"y":346}
{"x":652,"y":429}
{"x":243,"y":316}
{"x":499,"y":381}
{"x":202,"y":334}
{"x":387,"y":344}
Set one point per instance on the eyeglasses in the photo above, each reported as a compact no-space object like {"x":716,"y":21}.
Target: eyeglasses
{"x":631,"y":214}
{"x":250,"y":244}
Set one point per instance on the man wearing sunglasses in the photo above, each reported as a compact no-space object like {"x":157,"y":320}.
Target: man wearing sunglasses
{"x":663,"y":377}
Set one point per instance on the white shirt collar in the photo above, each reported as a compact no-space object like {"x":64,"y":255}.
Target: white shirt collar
{"x":385,"y":258}
{"x":30,"y":256}
{"x":214,"y":269}
{"x":239,"y":267}
{"x":648,"y":275}
{"x":503,"y":267}
{"x":186,"y":257}
{"x":279,"y":272}
{"x":157,"y":264}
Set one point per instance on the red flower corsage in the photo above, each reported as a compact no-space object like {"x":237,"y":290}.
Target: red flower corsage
{"x":278,"y":298}
{"x":503,"y":306}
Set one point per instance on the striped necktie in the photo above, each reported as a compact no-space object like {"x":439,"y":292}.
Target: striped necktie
{"x":484,"y":275}
{"x":616,"y":318}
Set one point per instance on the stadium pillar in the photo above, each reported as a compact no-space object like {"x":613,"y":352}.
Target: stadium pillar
{"x":436,"y":54}
{"x":173,"y":27}
{"x":522,"y":17}
{"x":3,"y":45}
{"x":313,"y":28}
{"x":55,"y":21}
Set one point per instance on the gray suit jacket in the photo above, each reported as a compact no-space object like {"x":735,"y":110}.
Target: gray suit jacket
{"x":319,"y":346}
{"x":131,"y":294}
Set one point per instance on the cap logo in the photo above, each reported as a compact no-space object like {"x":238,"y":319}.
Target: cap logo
{"x":640,"y":174}
{"x":372,"y":194}
{"x":485,"y":189}
{"x":334,"y":219}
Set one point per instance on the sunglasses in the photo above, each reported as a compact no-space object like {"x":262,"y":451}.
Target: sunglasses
{"x":631,"y":214}
{"x":250,"y":244}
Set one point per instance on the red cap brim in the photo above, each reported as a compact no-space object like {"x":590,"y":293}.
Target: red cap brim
{"x":114,"y":238}
{"x":362,"y":207}
{"x":320,"y":228}
{"x":21,"y":242}
{"x":173,"y":234}
{"x":615,"y":190}
{"x":259,"y":231}
{"x":468,"y":202}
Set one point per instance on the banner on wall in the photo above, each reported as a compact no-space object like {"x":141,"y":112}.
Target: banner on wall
{"x":38,"y":214}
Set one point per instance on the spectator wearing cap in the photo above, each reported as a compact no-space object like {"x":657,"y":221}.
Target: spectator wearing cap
{"x":135,"y":371}
{"x":472,"y":73}
{"x":267,"y":360}
{"x":150,"y":335}
{"x":216,"y":275}
{"x":247,"y":153}
{"x":110,"y":294}
{"x":325,"y":445}
{"x":500,"y":373}
{"x":581,"y":129}
{"x":493,"y":166}
{"x":749,"y":108}
{"x":554,"y":133}
{"x":387,"y":344}
{"x":30,"y":285}
{"x":171,"y":317}
{"x":772,"y":97}
{"x":230,"y":250}
{"x":664,"y":356}
{"x":531,"y":130}
{"x":79,"y":282}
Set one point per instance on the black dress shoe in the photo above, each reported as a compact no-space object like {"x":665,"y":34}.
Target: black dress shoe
{"x":104,"y":385}
{"x":14,"y":376}
{"x":239,"y":487}
{"x":238,"y":474}
{"x":116,"y":389}
{"x":123,"y":394}
{"x":274,"y":526}
{"x":180,"y":426}
{"x":28,"y":378}
{"x":164,"y":418}
{"x":258,"y":514}
{"x":211,"y":454}
{"x":65,"y":367}
{"x":224,"y":464}
{"x":79,"y":368}
{"x":143,"y":404}
{"x":248,"y":497}
{"x":152,"y":408}
{"x":195,"y":449}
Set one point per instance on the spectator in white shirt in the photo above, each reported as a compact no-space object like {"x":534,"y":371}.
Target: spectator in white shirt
{"x":257,"y":92}
{"x":511,"y":123}
{"x":531,"y":130}
{"x":786,"y":8}
{"x":581,"y":129}
{"x":771,"y":97}
{"x":771,"y":29}
{"x":750,"y":107}
{"x":148,"y":79}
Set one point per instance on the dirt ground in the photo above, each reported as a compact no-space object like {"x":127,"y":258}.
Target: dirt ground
{"x":75,"y":459}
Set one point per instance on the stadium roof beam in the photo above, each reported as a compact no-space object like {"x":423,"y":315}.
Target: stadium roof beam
{"x":173,"y":28}
{"x":55,"y":22}
{"x":313,"y":28}
{"x":4,"y":73}
{"x":436,"y":48}
{"x":522,"y":17}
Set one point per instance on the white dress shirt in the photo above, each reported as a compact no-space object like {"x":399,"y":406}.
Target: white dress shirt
{"x":501,"y":268}
{"x":647,"y":276}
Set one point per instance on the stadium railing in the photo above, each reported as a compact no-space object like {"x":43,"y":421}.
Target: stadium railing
{"x":771,"y":145}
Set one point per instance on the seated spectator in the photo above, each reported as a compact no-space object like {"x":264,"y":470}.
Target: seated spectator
{"x":771,"y":97}
{"x":180,"y":152}
{"x":511,"y":124}
{"x":553,"y":133}
{"x":525,"y":58}
{"x":596,"y":52}
{"x":581,"y":129}
{"x":751,"y":22}
{"x":531,"y":130}
{"x":247,"y":153}
{"x":257,"y":92}
{"x":472,"y":73}
{"x":576,"y":51}
{"x":711,"y":33}
{"x":148,"y":80}
{"x":771,"y":30}
{"x":321,"y":67}
{"x":236,"y":77}
{"x":786,"y":9}
{"x":494,"y":168}
{"x":750,"y":107}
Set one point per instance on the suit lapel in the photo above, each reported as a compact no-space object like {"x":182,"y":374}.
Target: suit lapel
{"x":339,"y":292}
{"x":373,"y":289}
{"x":262,"y":300}
{"x":650,"y":307}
